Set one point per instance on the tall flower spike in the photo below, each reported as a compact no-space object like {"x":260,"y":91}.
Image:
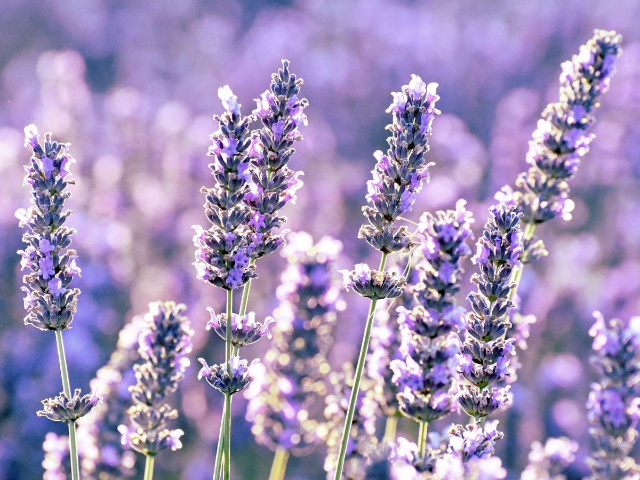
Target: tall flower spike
{"x":51,"y":265}
{"x":614,"y":401}
{"x":164,"y":342}
{"x":98,"y":431}
{"x":426,"y":373}
{"x":223,"y":251}
{"x":397,"y":178}
{"x":546,"y":462}
{"x":486,"y":354}
{"x":399,"y":174}
{"x":362,"y":437}
{"x":285,"y":399}
{"x":274,"y":184}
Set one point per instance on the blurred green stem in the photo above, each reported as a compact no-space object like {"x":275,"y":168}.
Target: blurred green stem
{"x":390,"y":429}
{"x":148,"y":467}
{"x":279,"y":466}
{"x":422,"y":439}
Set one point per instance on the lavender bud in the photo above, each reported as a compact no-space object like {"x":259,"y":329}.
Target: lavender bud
{"x":372,"y":283}
{"x":474,"y":441}
{"x":51,"y":265}
{"x":561,"y":137}
{"x":219,"y":377}
{"x":285,"y":398}
{"x":164,"y":343}
{"x":614,"y":401}
{"x":281,"y":112}
{"x":399,"y":174}
{"x":546,"y":462}
{"x":245,"y":330}
{"x":64,"y":409}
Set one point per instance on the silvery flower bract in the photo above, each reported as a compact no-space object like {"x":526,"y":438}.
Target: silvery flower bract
{"x":49,"y":299}
{"x":227,"y":380}
{"x":245,"y":329}
{"x":372,"y":283}
{"x":64,"y":409}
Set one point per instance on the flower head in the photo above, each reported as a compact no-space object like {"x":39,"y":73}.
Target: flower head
{"x":64,"y":409}
{"x":228,"y":380}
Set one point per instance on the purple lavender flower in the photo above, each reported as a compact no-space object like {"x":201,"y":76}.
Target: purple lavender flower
{"x":223,"y":251}
{"x":64,"y":409}
{"x":399,"y":174}
{"x":281,"y":112}
{"x":546,"y":462}
{"x":105,"y":457}
{"x":245,"y":329}
{"x":614,"y":401}
{"x":486,"y":355}
{"x":373,"y":284}
{"x":164,"y":342}
{"x":474,"y":441}
{"x":227,"y":380}
{"x":49,"y":300}
{"x":285,"y":397}
{"x":561,"y":139}
{"x":362,"y":439}
{"x":430,"y":344}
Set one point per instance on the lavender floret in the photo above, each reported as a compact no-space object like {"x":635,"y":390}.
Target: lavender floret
{"x":546,"y":462}
{"x":164,"y":343}
{"x":372,"y":283}
{"x":474,"y":441}
{"x":285,"y":398}
{"x":400,"y":173}
{"x":64,"y":409}
{"x":274,"y":184}
{"x":49,"y":299}
{"x":614,"y":401}
{"x":227,"y":380}
{"x":245,"y":329}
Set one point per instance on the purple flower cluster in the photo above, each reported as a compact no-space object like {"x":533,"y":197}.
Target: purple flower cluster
{"x":103,"y":455}
{"x":245,"y":329}
{"x":546,"y":462}
{"x":400,"y":173}
{"x":373,"y":284}
{"x":285,"y":397}
{"x":49,"y":300}
{"x":614,"y":401}
{"x":474,"y":441}
{"x":430,"y":343}
{"x":253,"y":182}
{"x":227,"y":380}
{"x":561,"y":139}
{"x":362,"y":438}
{"x":274,"y":184}
{"x":486,"y":355}
{"x":164,"y":343}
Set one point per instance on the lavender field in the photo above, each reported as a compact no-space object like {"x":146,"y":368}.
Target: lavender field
{"x":368,"y":240}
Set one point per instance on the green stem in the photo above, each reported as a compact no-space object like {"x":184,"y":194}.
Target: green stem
{"x":390,"y":429}
{"x":356,"y":380}
{"x":148,"y":467}
{"x":66,"y":388}
{"x":279,"y":465}
{"x":517,"y":272}
{"x":220,"y":450}
{"x":227,"y":436}
{"x":422,"y":439}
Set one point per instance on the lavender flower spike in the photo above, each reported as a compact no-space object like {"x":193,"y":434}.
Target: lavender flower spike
{"x":285,"y":399}
{"x":614,"y":401}
{"x":397,"y":178}
{"x":164,"y":342}
{"x":49,"y":300}
{"x":274,"y":184}
{"x":430,"y":345}
{"x":223,"y":251}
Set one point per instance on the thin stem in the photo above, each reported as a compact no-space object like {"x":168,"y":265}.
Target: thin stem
{"x":66,"y":388}
{"x":227,"y":436}
{"x":422,"y":439}
{"x":220,"y":450}
{"x":279,"y":465}
{"x":148,"y":467}
{"x":390,"y":429}
{"x":517,"y":272}
{"x":356,"y":380}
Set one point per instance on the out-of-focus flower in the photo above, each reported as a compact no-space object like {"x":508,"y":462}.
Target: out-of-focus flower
{"x":546,"y":462}
{"x":614,"y":401}
{"x":285,"y":398}
{"x":164,"y":342}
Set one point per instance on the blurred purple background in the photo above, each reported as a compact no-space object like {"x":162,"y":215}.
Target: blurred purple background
{"x":133,"y":86}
